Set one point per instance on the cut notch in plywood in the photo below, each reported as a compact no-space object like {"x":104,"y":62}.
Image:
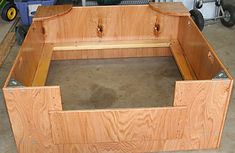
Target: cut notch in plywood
{"x":112,"y":45}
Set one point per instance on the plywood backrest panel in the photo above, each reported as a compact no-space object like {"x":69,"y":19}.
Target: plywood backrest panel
{"x":117,"y":22}
{"x":25,"y":65}
{"x":117,"y":125}
{"x":199,"y":53}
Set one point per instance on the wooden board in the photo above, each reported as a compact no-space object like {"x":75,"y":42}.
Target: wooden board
{"x":195,"y":121}
{"x":47,"y":12}
{"x":207,"y":102}
{"x":118,"y":49}
{"x":110,"y":53}
{"x":112,"y":45}
{"x":27,"y":60}
{"x":181,"y":61}
{"x":28,"y":111}
{"x":118,"y":23}
{"x":117,"y":125}
{"x":43,"y":66}
{"x":200,"y":54}
{"x":171,"y":8}
{"x":6,"y":45}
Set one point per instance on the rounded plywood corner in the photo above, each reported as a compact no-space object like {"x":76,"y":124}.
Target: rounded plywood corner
{"x":170,"y":8}
{"x":47,"y":12}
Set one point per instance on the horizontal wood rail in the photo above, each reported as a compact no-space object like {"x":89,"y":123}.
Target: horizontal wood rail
{"x":112,"y":45}
{"x":48,"y":49}
{"x":181,"y":61}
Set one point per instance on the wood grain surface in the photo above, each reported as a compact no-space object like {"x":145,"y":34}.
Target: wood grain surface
{"x":118,"y":23}
{"x":46,"y":12}
{"x":182,"y":63}
{"x":43,"y":66}
{"x":195,"y":121}
{"x":170,"y":8}
{"x":117,"y":125}
{"x":201,"y":56}
{"x":112,"y":45}
{"x":207,"y":103}
{"x":110,"y":53}
{"x":27,"y":60}
{"x":28,"y":111}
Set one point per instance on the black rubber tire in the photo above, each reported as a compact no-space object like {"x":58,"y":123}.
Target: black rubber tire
{"x":109,"y":2}
{"x":231,"y":10}
{"x":199,"y":4}
{"x":197,"y":18}
{"x":5,"y":10}
{"x":219,"y":4}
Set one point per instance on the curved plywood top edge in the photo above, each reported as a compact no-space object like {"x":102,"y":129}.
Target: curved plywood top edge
{"x":46,"y":12}
{"x":170,"y":8}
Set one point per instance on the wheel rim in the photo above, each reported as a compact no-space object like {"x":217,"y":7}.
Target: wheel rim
{"x":11,"y":13}
{"x":227,"y":16}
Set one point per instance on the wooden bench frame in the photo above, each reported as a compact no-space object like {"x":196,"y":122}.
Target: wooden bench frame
{"x":195,"y":121}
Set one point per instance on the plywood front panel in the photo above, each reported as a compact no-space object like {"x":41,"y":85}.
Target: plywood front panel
{"x":207,"y":104}
{"x":28,"y":111}
{"x":121,"y":147}
{"x":117,"y":125}
{"x":117,"y":22}
{"x":110,"y":53}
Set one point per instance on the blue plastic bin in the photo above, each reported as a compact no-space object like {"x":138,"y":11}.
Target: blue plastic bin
{"x":27,"y":8}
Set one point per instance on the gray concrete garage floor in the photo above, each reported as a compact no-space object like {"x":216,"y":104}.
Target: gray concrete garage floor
{"x":223,"y":40}
{"x":115,"y":83}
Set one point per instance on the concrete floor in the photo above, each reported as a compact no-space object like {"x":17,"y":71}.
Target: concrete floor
{"x":4,"y":28}
{"x":221,"y":38}
{"x":115,"y":83}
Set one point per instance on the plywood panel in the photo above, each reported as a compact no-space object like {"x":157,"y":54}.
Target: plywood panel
{"x":45,"y":12}
{"x":199,"y":53}
{"x":110,"y":53}
{"x":28,"y":111}
{"x":170,"y":8}
{"x":26,"y":63}
{"x":130,"y":146}
{"x":117,"y":125}
{"x":118,"y":23}
{"x":207,"y":103}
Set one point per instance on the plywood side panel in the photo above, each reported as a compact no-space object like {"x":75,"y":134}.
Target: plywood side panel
{"x":28,"y":111}
{"x":117,"y":125}
{"x":207,"y":103}
{"x":26,"y":63}
{"x":110,"y":53}
{"x":116,"y":22}
{"x":199,"y":53}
